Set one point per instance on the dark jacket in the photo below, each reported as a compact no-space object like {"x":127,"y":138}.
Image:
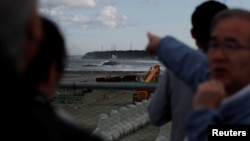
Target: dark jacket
{"x":47,"y":125}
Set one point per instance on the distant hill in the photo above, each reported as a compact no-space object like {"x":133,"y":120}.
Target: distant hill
{"x":121,"y":54}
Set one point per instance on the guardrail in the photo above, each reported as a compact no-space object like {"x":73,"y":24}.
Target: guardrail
{"x":109,"y":85}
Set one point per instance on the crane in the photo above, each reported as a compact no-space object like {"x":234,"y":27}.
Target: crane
{"x":151,"y":76}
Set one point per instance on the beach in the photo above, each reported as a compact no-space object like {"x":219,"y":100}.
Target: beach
{"x":90,"y":76}
{"x":86,"y":105}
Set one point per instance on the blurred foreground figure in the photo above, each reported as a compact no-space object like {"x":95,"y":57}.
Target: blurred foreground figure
{"x":20,"y":34}
{"x":20,"y":37}
{"x":42,"y":78}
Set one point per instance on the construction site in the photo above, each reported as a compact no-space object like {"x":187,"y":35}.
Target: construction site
{"x":116,"y":111}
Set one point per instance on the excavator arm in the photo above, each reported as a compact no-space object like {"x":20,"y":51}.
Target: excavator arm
{"x":151,"y":76}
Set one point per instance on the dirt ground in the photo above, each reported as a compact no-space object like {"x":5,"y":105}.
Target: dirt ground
{"x":86,"y":105}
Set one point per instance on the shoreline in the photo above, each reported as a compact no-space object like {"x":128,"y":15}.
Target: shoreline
{"x":101,"y":72}
{"x":90,"y":76}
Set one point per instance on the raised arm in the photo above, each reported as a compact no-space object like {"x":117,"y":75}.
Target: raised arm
{"x":188,"y":64}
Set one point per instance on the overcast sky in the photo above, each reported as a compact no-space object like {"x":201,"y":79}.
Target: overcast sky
{"x":96,"y":25}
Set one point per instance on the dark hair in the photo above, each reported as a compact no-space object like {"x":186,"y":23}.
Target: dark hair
{"x":201,"y":20}
{"x":52,"y":49}
{"x":240,"y":13}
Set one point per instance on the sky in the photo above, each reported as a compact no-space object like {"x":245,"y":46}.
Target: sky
{"x":103,"y":25}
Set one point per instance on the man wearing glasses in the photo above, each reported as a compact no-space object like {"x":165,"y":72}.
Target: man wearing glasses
{"x":224,"y":100}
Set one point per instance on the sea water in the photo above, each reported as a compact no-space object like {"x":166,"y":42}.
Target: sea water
{"x":76,"y":63}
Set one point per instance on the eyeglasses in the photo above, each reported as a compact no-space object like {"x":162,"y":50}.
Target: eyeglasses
{"x":228,"y":46}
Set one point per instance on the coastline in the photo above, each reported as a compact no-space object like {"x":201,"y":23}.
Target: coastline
{"x":90,"y":76}
{"x":67,"y":72}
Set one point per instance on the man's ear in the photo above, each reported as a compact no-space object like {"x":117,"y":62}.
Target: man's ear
{"x":192,"y":33}
{"x":52,"y":73}
{"x":34,"y":35}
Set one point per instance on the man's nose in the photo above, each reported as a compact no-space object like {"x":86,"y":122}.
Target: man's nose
{"x":218,"y":55}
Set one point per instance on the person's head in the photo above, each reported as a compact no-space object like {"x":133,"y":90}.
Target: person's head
{"x":201,"y":20}
{"x":229,"y":49}
{"x":46,"y":69}
{"x":18,"y":22}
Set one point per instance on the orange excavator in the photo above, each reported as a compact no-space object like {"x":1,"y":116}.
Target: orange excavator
{"x":151,"y":76}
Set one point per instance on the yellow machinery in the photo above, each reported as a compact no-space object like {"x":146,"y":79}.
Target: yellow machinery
{"x":151,"y":76}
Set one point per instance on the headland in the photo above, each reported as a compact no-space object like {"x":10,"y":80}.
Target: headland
{"x":120,"y":54}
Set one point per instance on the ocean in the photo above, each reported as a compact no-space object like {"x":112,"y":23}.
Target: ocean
{"x":75,"y":63}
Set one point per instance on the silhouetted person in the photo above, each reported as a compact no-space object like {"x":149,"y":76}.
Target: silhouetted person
{"x":20,"y":32}
{"x":42,"y":78}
